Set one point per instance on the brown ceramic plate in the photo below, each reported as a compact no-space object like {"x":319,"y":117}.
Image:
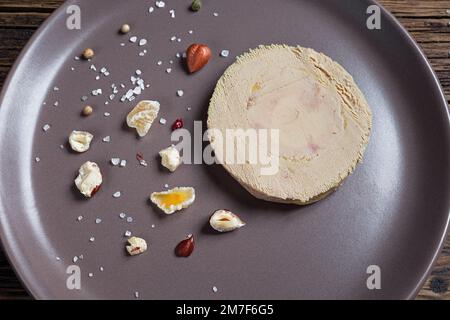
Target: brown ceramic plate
{"x":392,"y":212}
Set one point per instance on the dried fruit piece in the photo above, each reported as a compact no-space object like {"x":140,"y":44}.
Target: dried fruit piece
{"x":89,"y":179}
{"x":170,"y":158}
{"x":80,"y":141}
{"x":225,"y":221}
{"x":136,"y":246}
{"x":186,"y":247}
{"x":173,"y":200}
{"x":178,"y":124}
{"x":142,"y":116}
{"x":197,"y":56}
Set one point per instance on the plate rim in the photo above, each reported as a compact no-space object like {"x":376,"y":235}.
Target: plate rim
{"x":32,"y":287}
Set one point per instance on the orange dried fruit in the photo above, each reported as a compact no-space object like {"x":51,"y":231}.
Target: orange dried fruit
{"x":173,"y":200}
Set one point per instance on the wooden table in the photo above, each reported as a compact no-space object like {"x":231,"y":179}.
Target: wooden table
{"x":427,"y":21}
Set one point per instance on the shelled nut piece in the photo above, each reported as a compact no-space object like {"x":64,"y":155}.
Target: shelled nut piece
{"x":136,"y":246}
{"x":80,"y":141}
{"x":185,"y":247}
{"x":170,"y":158}
{"x":142,"y":116}
{"x":89,"y":179}
{"x":197,"y":56}
{"x":225,"y":221}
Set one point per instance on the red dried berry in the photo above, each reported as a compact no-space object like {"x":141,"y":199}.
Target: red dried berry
{"x":139,"y":156}
{"x":178,"y":124}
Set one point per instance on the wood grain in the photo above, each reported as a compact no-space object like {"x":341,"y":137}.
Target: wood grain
{"x":426,"y":20}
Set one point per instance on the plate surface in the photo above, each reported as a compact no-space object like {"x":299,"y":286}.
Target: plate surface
{"x":392,"y":212}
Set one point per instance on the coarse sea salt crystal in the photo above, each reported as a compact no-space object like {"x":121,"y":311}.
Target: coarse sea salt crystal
{"x":159,"y":63}
{"x":172,"y":13}
{"x":180,"y":93}
{"x":123,"y":163}
{"x":225,"y":53}
{"x":173,"y":38}
{"x":122,"y":215}
{"x":127,"y":233}
{"x":37,"y":159}
{"x":107,"y":114}
{"x":117,"y":194}
{"x":46,"y":127}
{"x":215,"y":14}
{"x":169,"y":70}
{"x":214,"y":289}
{"x":142,"y":42}
{"x":91,"y":239}
{"x":162,"y":121}
{"x":97,"y":92}
{"x":80,"y":218}
{"x":75,"y":259}
{"x":98,"y":221}
{"x":160,"y":4}
{"x":129,"y":219}
{"x":137,"y":90}
{"x":133,"y":39}
{"x":107,"y":139}
{"x":151,"y":9}
{"x":191,"y":31}
{"x":115,"y":161}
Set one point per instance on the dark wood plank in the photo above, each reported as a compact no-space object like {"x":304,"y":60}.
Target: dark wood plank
{"x":426,"y":20}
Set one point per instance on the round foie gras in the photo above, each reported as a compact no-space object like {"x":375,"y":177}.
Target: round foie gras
{"x":310,"y":119}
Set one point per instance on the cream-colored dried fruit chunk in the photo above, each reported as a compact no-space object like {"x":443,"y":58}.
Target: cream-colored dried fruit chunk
{"x":170,"y":158}
{"x":142,"y":116}
{"x":173,"y":200}
{"x":89,"y":179}
{"x":136,"y":246}
{"x":80,"y":141}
